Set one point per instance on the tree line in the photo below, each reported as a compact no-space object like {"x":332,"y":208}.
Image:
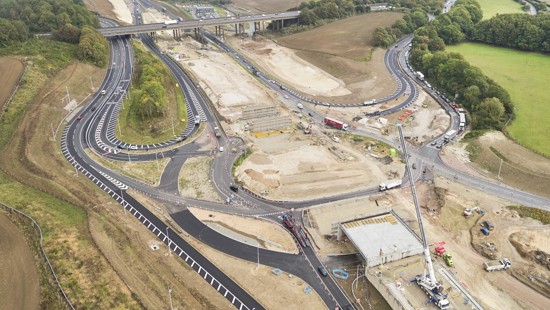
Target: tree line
{"x":416,"y":17}
{"x":149,"y":96}
{"x":67,"y":20}
{"x":488,"y":103}
{"x":521,"y":31}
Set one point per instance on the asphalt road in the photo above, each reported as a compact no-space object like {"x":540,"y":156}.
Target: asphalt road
{"x":96,"y":131}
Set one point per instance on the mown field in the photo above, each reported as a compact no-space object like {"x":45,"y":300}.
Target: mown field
{"x":526,"y":77}
{"x":267,"y":5}
{"x":491,"y":8}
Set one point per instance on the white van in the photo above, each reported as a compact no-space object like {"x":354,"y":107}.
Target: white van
{"x":103,"y":92}
{"x":197,"y":119}
{"x":221,"y":148}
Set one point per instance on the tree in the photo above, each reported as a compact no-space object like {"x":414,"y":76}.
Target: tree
{"x":68,"y":33}
{"x":308,"y":17}
{"x":471,"y":97}
{"x":490,"y":113}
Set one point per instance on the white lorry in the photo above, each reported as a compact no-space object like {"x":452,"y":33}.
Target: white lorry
{"x":390,"y":184}
{"x":462,"y":122}
{"x":369,"y":102}
{"x":419,"y":75}
{"x":497,"y":264}
{"x":448,"y":136}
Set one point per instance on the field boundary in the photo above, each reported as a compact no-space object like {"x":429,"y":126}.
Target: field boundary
{"x":38,"y":231}
{"x":5,"y":106}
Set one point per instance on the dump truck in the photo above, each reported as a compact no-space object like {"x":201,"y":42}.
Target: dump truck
{"x":497,"y":264}
{"x":390,"y":184}
{"x":336,"y":123}
{"x":448,"y":259}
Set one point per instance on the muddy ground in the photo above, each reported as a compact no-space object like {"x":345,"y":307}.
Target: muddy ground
{"x":11,"y":69}
{"x":19,"y":288}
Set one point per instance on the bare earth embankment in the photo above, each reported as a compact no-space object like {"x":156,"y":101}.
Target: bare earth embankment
{"x":19,"y":288}
{"x":11,"y":69}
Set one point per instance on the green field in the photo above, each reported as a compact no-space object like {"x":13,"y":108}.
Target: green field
{"x":526,"y":76}
{"x":490,"y":8}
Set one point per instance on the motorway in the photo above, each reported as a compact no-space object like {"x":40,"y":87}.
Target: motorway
{"x":96,"y":131}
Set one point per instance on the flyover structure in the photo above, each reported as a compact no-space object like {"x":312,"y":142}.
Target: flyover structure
{"x":277,"y":18}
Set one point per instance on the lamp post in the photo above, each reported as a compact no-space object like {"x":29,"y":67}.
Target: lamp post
{"x":170,"y":296}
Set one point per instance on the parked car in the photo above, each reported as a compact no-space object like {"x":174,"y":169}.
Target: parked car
{"x":488,"y":225}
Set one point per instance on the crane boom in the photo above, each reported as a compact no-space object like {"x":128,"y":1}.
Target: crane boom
{"x":427,"y":284}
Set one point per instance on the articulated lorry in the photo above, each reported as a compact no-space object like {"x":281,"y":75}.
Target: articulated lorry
{"x":449,"y":135}
{"x":369,"y":102}
{"x":336,"y":123}
{"x":497,"y":264}
{"x":462,"y":122}
{"x":390,"y":184}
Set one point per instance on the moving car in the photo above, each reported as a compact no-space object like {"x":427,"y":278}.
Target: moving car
{"x":323,"y":271}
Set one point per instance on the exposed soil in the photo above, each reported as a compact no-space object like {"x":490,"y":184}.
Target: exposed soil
{"x":11,"y":69}
{"x":292,"y":167}
{"x":269,"y":6}
{"x":102,"y":7}
{"x":462,"y":236}
{"x":19,"y":288}
{"x":520,"y":167}
{"x":345,"y":50}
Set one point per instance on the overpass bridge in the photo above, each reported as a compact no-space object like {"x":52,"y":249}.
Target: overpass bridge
{"x":239,"y":21}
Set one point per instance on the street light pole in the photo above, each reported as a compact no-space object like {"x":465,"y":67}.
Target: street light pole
{"x":122,"y":196}
{"x":170,"y":295}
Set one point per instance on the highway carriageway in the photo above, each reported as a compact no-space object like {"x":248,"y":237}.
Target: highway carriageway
{"x":196,"y":23}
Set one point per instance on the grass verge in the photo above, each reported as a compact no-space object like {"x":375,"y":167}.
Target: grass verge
{"x":534,"y":213}
{"x":50,"y":297}
{"x":69,"y":246}
{"x":491,"y":8}
{"x":526,"y":77}
{"x":147,"y":172}
{"x":137,"y":130}
{"x":45,"y":58}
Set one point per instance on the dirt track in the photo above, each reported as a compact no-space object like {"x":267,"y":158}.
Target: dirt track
{"x":19,"y":288}
{"x":11,"y":69}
